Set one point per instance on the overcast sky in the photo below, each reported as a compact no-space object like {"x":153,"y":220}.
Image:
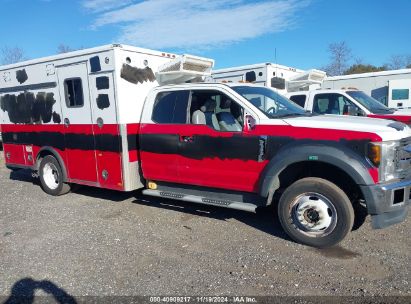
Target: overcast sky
{"x":233,"y":32}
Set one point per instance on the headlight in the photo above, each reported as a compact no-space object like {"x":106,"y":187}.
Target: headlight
{"x":383,"y":156}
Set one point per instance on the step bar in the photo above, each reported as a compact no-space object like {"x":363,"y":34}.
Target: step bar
{"x":201,"y":200}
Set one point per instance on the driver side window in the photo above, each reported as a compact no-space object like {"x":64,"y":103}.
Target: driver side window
{"x":216,"y":110}
{"x":330,"y":103}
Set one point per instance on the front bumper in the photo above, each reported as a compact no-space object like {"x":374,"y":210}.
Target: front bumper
{"x":388,"y":203}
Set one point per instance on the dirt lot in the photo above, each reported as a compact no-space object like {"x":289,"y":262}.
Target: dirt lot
{"x":98,"y":242}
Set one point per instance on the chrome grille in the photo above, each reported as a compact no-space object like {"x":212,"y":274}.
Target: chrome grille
{"x":403,"y":158}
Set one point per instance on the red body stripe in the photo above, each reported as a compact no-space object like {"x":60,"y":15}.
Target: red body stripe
{"x":234,"y":174}
{"x":402,"y":118}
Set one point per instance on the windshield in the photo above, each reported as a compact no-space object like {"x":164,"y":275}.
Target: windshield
{"x":269,"y":102}
{"x":373,"y":105}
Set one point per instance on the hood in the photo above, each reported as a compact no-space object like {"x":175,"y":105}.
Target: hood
{"x":402,"y":112}
{"x":403,"y":115}
{"x":386,"y":129}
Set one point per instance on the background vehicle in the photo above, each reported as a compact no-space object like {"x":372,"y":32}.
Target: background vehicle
{"x":347,"y":102}
{"x":279,"y":77}
{"x":391,"y":88}
{"x":98,"y":117}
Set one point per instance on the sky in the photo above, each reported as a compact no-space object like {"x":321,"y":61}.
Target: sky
{"x":295,"y":33}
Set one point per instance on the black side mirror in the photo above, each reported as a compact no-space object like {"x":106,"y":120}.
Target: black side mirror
{"x":250,"y":76}
{"x":350,"y":110}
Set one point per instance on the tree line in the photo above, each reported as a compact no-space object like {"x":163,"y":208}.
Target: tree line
{"x":343,"y":62}
{"x":9,"y":55}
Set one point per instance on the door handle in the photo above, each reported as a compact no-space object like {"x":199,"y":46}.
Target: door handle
{"x":187,"y":139}
{"x":66,"y":122}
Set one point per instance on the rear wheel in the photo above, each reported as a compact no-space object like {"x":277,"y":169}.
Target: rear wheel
{"x":315,"y":212}
{"x":51,"y":177}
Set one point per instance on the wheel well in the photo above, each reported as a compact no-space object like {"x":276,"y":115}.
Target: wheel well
{"x":45,"y":152}
{"x":326,"y":171}
{"x":42,"y":154}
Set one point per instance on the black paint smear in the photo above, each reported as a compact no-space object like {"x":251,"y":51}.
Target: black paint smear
{"x":237,"y":147}
{"x":132,"y":142}
{"x":21,"y":76}
{"x":56,"y":118}
{"x":100,"y":142}
{"x":255,"y":148}
{"x":95,"y":65}
{"x":103,"y":101}
{"x":202,"y":146}
{"x":136,"y":75}
{"x":27,"y":109}
{"x":102,"y":83}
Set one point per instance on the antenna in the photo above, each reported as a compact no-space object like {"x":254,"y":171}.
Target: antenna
{"x":275,"y":61}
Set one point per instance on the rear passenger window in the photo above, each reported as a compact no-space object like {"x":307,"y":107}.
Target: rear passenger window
{"x":171,"y":107}
{"x":74,"y":93}
{"x":299,"y":99}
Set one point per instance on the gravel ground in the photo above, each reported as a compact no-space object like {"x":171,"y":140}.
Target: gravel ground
{"x":99,"y":242}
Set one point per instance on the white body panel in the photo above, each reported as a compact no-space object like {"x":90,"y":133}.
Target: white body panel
{"x":264,"y":73}
{"x":399,"y":93}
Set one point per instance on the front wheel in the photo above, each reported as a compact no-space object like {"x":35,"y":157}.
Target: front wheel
{"x":315,"y":212}
{"x":51,"y":177}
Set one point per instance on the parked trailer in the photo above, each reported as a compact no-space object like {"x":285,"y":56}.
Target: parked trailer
{"x":279,"y":77}
{"x":392,"y":88}
{"x":126,"y":118}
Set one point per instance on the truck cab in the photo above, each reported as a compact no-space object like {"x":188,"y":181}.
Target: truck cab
{"x":347,"y":102}
{"x":243,"y":146}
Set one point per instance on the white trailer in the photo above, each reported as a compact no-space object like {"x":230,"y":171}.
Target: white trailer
{"x":279,"y":77}
{"x":392,"y":88}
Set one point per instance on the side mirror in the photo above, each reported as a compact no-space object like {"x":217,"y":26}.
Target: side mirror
{"x":250,"y":123}
{"x":350,"y":110}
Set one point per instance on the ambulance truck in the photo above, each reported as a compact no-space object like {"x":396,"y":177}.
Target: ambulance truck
{"x":127,"y":118}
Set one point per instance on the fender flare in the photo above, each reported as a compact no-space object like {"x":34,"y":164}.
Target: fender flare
{"x":341,"y":157}
{"x":57,"y":156}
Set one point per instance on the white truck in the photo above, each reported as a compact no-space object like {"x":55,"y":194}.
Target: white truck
{"x":127,"y":118}
{"x":391,"y":88}
{"x":347,"y":102}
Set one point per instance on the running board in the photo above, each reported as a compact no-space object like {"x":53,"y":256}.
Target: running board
{"x":201,"y":200}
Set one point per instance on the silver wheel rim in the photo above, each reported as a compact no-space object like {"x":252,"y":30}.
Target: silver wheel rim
{"x":51,"y":176}
{"x":313,"y":214}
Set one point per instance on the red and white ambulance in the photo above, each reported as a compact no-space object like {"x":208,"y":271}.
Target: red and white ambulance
{"x":127,"y":118}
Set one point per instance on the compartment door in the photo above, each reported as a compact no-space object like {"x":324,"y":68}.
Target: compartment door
{"x":79,"y":141}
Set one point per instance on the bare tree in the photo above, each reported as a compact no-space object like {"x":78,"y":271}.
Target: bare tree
{"x":63,"y":48}
{"x":340,"y":56}
{"x":11,"y":55}
{"x":399,"y":62}
{"x":396,"y":62}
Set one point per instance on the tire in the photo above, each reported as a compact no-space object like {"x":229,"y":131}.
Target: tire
{"x":315,"y":212}
{"x":51,"y":177}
